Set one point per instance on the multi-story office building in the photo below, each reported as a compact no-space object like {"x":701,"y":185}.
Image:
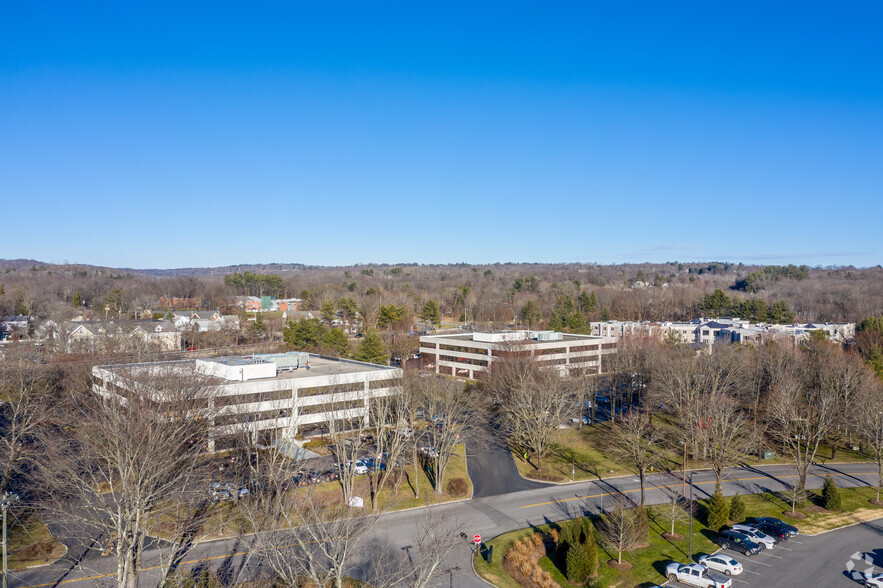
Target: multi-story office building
{"x":269,"y":396}
{"x":467,"y":355}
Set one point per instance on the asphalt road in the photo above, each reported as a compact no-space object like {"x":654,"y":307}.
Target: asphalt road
{"x":487,"y":516}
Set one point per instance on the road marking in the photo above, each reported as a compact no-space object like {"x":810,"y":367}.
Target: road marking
{"x":755,"y":573}
{"x":760,"y":563}
{"x":188,"y":562}
{"x":679,"y":484}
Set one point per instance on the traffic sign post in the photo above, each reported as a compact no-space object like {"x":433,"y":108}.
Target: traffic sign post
{"x":477,"y":539}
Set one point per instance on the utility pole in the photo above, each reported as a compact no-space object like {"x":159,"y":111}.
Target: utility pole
{"x":5,"y":503}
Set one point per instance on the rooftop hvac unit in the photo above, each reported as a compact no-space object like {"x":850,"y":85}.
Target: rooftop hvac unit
{"x":549,"y":336}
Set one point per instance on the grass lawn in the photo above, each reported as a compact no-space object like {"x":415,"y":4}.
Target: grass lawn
{"x":31,"y":543}
{"x":856,"y":509}
{"x":583,"y":452}
{"x":648,"y":564}
{"x":225,"y":519}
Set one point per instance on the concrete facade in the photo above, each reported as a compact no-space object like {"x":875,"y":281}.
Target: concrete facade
{"x":253,"y":395}
{"x":468,"y":355}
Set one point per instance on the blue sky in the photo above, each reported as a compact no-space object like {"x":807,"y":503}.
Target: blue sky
{"x":188,"y":134}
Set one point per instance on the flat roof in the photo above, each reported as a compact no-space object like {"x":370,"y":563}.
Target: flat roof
{"x":319,"y":366}
{"x":468,"y":337}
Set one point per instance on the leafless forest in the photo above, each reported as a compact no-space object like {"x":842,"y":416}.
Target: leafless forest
{"x":485,"y":293}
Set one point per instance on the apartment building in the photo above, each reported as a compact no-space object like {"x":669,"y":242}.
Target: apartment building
{"x":268,"y":396}
{"x":467,"y":355}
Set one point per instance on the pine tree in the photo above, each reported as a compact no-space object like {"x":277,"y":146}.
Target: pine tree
{"x":737,"y":509}
{"x":831,"y":494}
{"x":77,"y":302}
{"x":431,"y":313}
{"x":718,"y":511}
{"x":372,"y":349}
{"x":590,"y":545}
{"x":578,"y":565}
{"x":258,"y":327}
{"x":337,"y":341}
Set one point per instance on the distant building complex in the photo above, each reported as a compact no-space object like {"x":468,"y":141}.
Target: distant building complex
{"x":724,"y":330}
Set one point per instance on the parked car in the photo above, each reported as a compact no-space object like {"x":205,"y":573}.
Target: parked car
{"x":873,"y":580}
{"x":575,"y":420}
{"x":217,"y":493}
{"x":777,"y":532}
{"x":696,"y":575}
{"x":429,"y":451}
{"x":790,"y":529}
{"x":405,"y":432}
{"x":373,"y":464}
{"x":737,"y":541}
{"x":721,"y":563}
{"x":756,"y":535}
{"x":358,"y":468}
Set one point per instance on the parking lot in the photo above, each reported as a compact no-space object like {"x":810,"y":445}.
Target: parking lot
{"x":837,"y":558}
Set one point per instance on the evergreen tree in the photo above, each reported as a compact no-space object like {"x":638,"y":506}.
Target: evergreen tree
{"x":605,"y":314}
{"x":737,"y":509}
{"x":530,"y":314}
{"x":431,"y":313}
{"x":372,"y":349}
{"x":556,"y":321}
{"x":831,"y":494}
{"x":77,"y":302}
{"x":258,"y":327}
{"x":337,"y":341}
{"x":590,"y":545}
{"x":329,"y":313}
{"x":304,"y":333}
{"x":578,"y":565}
{"x":718,"y":510}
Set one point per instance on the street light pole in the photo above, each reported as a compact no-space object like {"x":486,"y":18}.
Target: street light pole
{"x":691,"y":517}
{"x":5,"y":503}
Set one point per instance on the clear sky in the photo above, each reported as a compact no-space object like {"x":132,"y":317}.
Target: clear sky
{"x":144,"y":134}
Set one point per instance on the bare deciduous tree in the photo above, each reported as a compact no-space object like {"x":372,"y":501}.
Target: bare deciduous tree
{"x":867,"y":415}
{"x":126,"y":462}
{"x":620,"y":530}
{"x":634,"y":442}
{"x":534,"y":401}
{"x":453,"y":412}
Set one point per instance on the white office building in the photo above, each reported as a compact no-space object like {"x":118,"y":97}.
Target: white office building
{"x":270,"y":396}
{"x":467,"y":355}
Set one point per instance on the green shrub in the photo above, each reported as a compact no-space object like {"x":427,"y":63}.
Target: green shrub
{"x":831,"y":494}
{"x":578,"y":565}
{"x":737,"y":509}
{"x":718,"y":511}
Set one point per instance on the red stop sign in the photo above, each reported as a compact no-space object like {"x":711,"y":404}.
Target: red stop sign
{"x":477,"y":539}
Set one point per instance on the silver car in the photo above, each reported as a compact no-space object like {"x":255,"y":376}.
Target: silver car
{"x":759,"y":537}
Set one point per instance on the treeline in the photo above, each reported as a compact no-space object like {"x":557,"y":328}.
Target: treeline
{"x":498,"y":295}
{"x":718,"y":304}
{"x":754,"y":281}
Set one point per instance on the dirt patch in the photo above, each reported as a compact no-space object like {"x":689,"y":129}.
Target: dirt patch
{"x":815,"y":508}
{"x":794,"y":515}
{"x":39,"y":552}
{"x":673,"y":536}
{"x":622,"y":567}
{"x":876,"y":502}
{"x":545,"y":476}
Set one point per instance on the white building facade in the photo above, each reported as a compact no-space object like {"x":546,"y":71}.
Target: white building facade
{"x":468,"y":355}
{"x":269,"y":396}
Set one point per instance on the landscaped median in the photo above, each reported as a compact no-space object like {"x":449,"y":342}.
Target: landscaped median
{"x":540,"y":551}
{"x":583,"y":454}
{"x":31,"y":543}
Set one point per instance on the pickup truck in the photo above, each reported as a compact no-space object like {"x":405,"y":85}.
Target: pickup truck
{"x":696,"y":575}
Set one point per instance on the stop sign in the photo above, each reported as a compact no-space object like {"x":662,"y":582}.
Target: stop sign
{"x":477,"y":539}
